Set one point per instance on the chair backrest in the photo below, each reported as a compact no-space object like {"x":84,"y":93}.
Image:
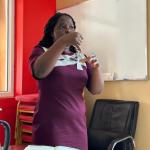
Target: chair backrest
{"x":115,"y":115}
{"x":24,"y":117}
{"x":7,"y":134}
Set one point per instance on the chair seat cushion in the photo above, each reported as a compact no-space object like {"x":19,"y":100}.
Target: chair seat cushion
{"x":99,"y":139}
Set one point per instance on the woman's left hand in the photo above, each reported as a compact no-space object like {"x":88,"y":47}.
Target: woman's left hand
{"x":96,"y":81}
{"x":92,"y":60}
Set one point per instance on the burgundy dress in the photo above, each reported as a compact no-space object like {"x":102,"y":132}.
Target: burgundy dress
{"x":60,"y":113}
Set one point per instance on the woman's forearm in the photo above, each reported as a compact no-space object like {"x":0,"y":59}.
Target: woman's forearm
{"x":46,"y":62}
{"x":97,"y":82}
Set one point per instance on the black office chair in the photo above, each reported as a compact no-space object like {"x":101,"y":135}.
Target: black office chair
{"x":7,"y":134}
{"x":112,"y":125}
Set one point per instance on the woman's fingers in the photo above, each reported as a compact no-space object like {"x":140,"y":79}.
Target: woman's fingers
{"x":96,"y":64}
{"x":93,"y":61}
{"x":77,"y":47}
{"x":78,"y":40}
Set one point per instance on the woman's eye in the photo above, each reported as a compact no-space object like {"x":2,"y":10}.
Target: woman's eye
{"x":62,"y":27}
{"x":71,"y":27}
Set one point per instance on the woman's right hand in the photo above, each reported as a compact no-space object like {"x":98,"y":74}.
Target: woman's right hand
{"x":72,"y":38}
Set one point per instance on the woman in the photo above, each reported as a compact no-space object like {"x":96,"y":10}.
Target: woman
{"x":62,"y":72}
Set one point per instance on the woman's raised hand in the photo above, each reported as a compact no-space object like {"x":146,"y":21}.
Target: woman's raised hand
{"x":92,"y":60}
{"x":72,"y":38}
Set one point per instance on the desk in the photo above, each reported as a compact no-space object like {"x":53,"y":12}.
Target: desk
{"x":17,"y":147}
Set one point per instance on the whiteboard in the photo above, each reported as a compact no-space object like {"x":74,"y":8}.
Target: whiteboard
{"x":114,"y":30}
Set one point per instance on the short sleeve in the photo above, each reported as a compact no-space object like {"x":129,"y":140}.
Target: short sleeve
{"x":89,"y":73}
{"x":36,"y":52}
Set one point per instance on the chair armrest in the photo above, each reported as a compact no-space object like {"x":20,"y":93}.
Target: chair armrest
{"x":121,"y":139}
{"x":7,"y":134}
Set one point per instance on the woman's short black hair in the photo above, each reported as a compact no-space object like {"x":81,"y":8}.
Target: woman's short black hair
{"x":47,"y":39}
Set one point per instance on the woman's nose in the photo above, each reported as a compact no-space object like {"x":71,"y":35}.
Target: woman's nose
{"x":67,"y":29}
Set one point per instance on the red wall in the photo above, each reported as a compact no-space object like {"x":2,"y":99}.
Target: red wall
{"x":30,"y":21}
{"x":30,"y":18}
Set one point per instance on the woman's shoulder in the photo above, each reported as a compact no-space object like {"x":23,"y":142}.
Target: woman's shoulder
{"x":38,"y":48}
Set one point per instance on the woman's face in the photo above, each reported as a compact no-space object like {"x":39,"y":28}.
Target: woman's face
{"x":63,"y":26}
